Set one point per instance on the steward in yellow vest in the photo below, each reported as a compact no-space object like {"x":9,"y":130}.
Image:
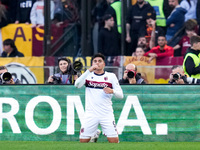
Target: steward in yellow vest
{"x":191,"y":63}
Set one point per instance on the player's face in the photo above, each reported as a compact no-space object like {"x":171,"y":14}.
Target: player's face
{"x":63,"y":65}
{"x":99,"y":62}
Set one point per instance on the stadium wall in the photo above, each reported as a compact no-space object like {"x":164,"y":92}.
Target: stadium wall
{"x":55,"y":112}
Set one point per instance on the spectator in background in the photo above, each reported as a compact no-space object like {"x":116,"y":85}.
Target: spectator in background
{"x":4,"y":18}
{"x":108,"y":40}
{"x":139,"y":52}
{"x":160,"y":16}
{"x":10,"y":50}
{"x":37,"y":13}
{"x":191,"y":63}
{"x":142,"y":42}
{"x":131,"y":76}
{"x":176,"y":19}
{"x":167,"y":9}
{"x":160,"y":51}
{"x":152,"y":31}
{"x":23,"y":11}
{"x":66,"y":11}
{"x":190,"y":6}
{"x":11,"y":9}
{"x":97,"y":13}
{"x":136,"y":23}
{"x":115,"y":10}
{"x":184,"y":43}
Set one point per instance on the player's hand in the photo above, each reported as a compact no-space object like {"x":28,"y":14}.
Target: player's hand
{"x":108,"y":90}
{"x":92,"y":68}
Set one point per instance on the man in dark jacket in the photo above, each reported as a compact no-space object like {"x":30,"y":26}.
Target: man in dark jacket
{"x":136,"y":23}
{"x":108,"y":40}
{"x":10,"y":50}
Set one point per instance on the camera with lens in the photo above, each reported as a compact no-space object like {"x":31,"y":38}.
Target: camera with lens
{"x":75,"y":68}
{"x":6,"y":77}
{"x":131,"y":74}
{"x":177,"y":76}
{"x":56,"y":80}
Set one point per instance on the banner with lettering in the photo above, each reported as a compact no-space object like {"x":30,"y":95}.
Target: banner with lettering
{"x":147,"y":113}
{"x":21,"y":34}
{"x":143,"y":66}
{"x":29,"y":70}
{"x":38,"y":38}
{"x":29,"y":40}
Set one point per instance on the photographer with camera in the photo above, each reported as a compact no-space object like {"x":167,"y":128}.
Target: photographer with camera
{"x":131,"y":76}
{"x":177,"y":76}
{"x":6,"y":77}
{"x":68,"y":72}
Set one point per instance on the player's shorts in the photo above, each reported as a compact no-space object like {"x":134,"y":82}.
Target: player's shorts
{"x":91,"y":122}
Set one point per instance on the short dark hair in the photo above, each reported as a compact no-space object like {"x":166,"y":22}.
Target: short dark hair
{"x":106,"y":17}
{"x":65,"y":59}
{"x":3,"y":67}
{"x":194,"y":39}
{"x":190,"y":24}
{"x":162,"y":35}
{"x":9,"y":42}
{"x":98,"y":55}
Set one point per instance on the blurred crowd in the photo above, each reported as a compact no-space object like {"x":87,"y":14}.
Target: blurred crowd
{"x":32,"y":11}
{"x":176,"y":20}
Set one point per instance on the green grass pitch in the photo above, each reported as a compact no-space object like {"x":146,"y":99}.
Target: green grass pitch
{"x":46,"y":145}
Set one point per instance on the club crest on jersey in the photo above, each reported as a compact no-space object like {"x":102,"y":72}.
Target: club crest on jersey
{"x":105,"y":78}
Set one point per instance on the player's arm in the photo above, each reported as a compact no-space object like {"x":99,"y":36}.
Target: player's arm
{"x":81,"y":80}
{"x":117,"y":90}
